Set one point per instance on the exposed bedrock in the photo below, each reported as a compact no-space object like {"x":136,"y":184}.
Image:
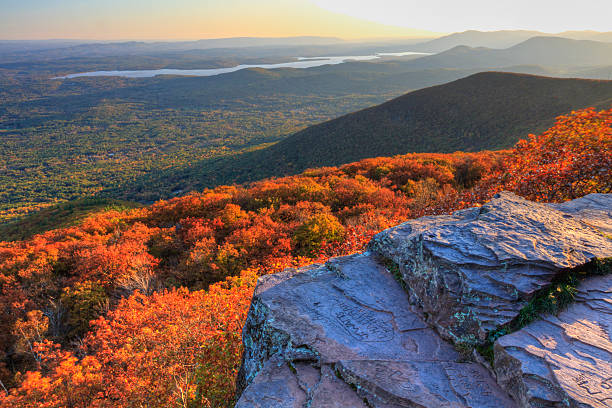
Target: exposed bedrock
{"x":564,"y":360}
{"x":344,"y":331}
{"x":473,"y":271}
{"x":346,"y":334}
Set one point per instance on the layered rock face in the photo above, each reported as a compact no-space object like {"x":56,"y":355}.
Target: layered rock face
{"x":345,"y":334}
{"x":317,"y":329}
{"x":563,"y":360}
{"x":474,"y":270}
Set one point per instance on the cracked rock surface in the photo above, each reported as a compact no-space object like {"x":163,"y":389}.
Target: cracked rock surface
{"x":564,"y":360}
{"x":284,"y":384}
{"x":474,"y":270}
{"x":343,"y":335}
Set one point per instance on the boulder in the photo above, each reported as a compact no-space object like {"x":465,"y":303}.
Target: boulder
{"x":347,"y":334}
{"x":564,"y":360}
{"x":344,"y":335}
{"x":594,"y":209}
{"x":473,"y":271}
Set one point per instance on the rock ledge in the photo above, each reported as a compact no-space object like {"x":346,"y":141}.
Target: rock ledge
{"x":345,"y":334}
{"x":474,"y":270}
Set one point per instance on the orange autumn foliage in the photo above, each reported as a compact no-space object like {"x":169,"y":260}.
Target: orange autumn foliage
{"x":570,"y":160}
{"x":149,"y":351}
{"x":167,"y":287}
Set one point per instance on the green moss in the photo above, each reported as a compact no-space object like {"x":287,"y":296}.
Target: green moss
{"x":602,"y":266}
{"x":394,"y":269}
{"x":85,"y":302}
{"x":551,"y":300}
{"x":464,"y":349}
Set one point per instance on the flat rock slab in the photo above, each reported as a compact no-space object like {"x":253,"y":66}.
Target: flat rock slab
{"x":296,"y":385}
{"x":593,"y":209}
{"x":345,"y":331}
{"x":424,"y":383}
{"x":474,"y":270}
{"x":565,"y":360}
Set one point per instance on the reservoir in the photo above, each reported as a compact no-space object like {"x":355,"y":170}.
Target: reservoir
{"x":300,"y":63}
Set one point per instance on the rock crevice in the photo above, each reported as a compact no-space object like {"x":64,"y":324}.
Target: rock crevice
{"x":345,"y":333}
{"x":474,"y":270}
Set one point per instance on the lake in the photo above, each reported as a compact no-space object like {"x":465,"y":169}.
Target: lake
{"x":301,"y":63}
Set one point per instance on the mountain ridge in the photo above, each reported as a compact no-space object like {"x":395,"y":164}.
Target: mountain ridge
{"x":542,"y":50}
{"x":503,"y":38}
{"x":484,"y":111}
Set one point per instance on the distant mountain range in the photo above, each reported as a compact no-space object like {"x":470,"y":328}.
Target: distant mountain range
{"x":285,"y":46}
{"x":479,"y":112}
{"x":472,"y":38}
{"x":588,"y":35}
{"x":235,"y":42}
{"x":545,"y":51}
{"x":53,"y":49}
{"x":502,"y":39}
{"x":490,"y":110}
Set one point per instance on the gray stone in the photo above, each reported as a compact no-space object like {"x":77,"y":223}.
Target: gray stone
{"x":350,"y":319}
{"x":424,"y":383}
{"x":564,"y":360}
{"x":344,"y":334}
{"x":473,"y":271}
{"x":332,"y":392}
{"x":594,"y":209}
{"x":283,"y":384}
{"x":276,"y":387}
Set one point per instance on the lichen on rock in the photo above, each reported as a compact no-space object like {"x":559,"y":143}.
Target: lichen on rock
{"x":474,"y":270}
{"x":347,"y":334}
{"x":351,"y":317}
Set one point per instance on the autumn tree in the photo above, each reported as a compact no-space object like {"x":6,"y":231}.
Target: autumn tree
{"x":144,"y":307}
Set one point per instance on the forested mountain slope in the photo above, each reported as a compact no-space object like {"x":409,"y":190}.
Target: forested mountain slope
{"x":489,"y":110}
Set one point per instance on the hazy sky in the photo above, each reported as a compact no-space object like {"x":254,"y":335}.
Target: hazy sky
{"x":191,"y":19}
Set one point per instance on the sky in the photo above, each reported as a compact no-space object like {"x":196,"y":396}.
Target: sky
{"x":196,"y":19}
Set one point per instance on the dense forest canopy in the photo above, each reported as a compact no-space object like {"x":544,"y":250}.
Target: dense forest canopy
{"x":63,"y":140}
{"x":145,"y":306}
{"x":143,"y":139}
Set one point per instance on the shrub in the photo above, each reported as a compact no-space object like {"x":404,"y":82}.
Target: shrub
{"x":85,"y":302}
{"x":314,"y":232}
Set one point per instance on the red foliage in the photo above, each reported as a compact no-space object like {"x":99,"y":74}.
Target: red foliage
{"x":150,"y":351}
{"x":153,"y":344}
{"x":570,"y":160}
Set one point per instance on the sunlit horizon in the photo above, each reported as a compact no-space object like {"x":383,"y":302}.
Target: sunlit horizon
{"x":182,"y":20}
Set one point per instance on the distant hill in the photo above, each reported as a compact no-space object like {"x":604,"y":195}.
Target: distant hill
{"x":604,"y":72}
{"x":490,"y":110}
{"x":60,"y":49}
{"x":473,"y":38}
{"x":545,"y":51}
{"x":502,"y":39}
{"x":233,"y":42}
{"x":587,"y":35}
{"x":116,"y":131}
